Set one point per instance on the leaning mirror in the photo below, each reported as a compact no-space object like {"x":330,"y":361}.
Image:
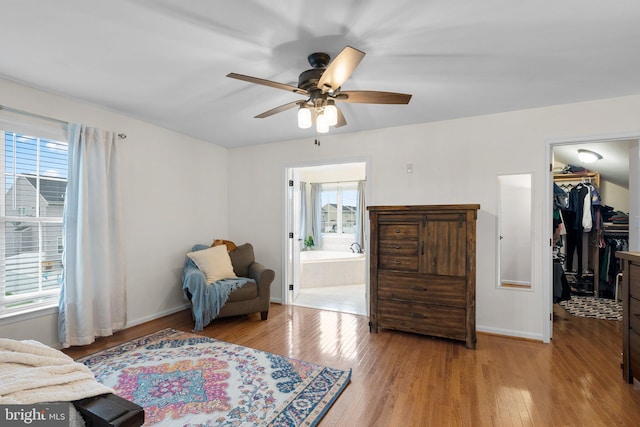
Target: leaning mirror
{"x":514,"y":231}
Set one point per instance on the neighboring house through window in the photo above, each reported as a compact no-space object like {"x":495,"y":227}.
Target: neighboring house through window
{"x":34,"y":174}
{"x":339,"y":208}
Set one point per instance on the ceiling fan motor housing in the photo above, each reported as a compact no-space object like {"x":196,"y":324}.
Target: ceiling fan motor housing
{"x":308,"y":80}
{"x":318,"y":60}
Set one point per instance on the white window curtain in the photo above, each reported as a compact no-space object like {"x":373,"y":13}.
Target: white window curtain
{"x":303,"y":210}
{"x":316,"y":214}
{"x":92,"y":299}
{"x":360,"y":215}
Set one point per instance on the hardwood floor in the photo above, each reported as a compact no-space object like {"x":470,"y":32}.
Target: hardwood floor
{"x":401,"y":379}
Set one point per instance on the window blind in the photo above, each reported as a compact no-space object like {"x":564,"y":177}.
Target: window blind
{"x":34,"y":180}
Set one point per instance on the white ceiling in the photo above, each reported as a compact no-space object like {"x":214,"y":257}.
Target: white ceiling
{"x":165,"y":61}
{"x":614,"y":165}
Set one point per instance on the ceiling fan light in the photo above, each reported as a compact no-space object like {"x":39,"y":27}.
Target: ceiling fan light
{"x":331,"y":113}
{"x":588,"y":156}
{"x":322,"y":126}
{"x":304,"y":118}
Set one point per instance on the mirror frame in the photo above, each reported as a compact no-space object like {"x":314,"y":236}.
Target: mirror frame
{"x":526,"y":283}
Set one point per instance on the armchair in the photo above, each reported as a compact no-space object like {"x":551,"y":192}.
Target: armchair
{"x":249,"y":293}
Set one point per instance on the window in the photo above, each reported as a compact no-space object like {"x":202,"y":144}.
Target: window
{"x":34,"y":174}
{"x":339,"y":207}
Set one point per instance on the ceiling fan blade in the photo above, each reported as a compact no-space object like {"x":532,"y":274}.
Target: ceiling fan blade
{"x":269,"y":83}
{"x":340,"y":69}
{"x":279,"y":109}
{"x":373,"y":97}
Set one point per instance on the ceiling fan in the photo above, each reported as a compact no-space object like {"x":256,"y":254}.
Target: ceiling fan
{"x":322,"y":87}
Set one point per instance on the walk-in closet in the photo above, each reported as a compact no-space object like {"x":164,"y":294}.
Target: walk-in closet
{"x":590,"y":224}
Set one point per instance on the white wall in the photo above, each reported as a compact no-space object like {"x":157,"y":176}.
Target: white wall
{"x":634,"y":196}
{"x":174,"y":195}
{"x":333,"y":173}
{"x":176,"y":192}
{"x":614,"y":195}
{"x":454,"y":161}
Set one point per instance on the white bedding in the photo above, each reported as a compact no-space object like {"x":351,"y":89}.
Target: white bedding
{"x":31,"y":372}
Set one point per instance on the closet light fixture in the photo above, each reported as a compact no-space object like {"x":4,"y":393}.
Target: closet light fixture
{"x":588,"y":156}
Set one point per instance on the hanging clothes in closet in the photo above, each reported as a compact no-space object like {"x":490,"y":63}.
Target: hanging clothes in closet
{"x":581,"y":215}
{"x":609,"y":264}
{"x":561,"y":287}
{"x":616,"y":238}
{"x":560,"y":202}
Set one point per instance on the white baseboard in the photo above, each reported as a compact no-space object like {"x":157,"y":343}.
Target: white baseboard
{"x":171,"y":311}
{"x":157,"y":315}
{"x":510,"y":333}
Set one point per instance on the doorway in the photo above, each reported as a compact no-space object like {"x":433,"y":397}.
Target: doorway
{"x":587,"y":256}
{"x":326,"y":247}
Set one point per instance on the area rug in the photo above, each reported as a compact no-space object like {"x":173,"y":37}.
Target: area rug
{"x":183,"y":379}
{"x":598,"y":308}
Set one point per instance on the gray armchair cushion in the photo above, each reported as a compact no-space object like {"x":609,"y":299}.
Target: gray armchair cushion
{"x":248,"y":291}
{"x":241,"y":258}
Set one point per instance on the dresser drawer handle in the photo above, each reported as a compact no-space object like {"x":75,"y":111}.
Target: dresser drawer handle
{"x":397,"y":247}
{"x":422,"y":316}
{"x":397,"y":262}
{"x":419,"y":288}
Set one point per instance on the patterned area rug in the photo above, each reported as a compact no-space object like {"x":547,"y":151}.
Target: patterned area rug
{"x":183,"y":379}
{"x":598,"y":308}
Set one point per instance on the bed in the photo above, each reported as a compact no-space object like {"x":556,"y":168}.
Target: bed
{"x":32,"y":373}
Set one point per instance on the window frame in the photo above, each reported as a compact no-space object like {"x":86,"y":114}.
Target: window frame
{"x":339,"y":188}
{"x":49,"y":259}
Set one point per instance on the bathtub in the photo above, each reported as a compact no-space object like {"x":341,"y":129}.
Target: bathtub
{"x":331,"y":268}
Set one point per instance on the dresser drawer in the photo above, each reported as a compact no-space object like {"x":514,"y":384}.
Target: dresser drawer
{"x":634,"y":280}
{"x":448,"y":322}
{"x":398,"y":262}
{"x":634,"y":345}
{"x":398,"y":247}
{"x":398,"y":231}
{"x":634,"y":314}
{"x":439,"y":290}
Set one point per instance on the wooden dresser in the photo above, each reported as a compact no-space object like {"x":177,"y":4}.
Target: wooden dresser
{"x":423,"y":270}
{"x":630,"y":316}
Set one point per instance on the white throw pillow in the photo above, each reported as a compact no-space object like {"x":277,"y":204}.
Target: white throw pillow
{"x":214,"y":262}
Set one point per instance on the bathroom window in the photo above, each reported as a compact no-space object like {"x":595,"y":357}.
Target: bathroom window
{"x":339,"y":207}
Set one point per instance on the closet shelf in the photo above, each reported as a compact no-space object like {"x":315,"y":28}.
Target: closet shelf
{"x":568,"y":178}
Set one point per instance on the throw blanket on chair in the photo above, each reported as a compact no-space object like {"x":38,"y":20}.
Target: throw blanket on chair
{"x":31,"y":372}
{"x":207,"y":300}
